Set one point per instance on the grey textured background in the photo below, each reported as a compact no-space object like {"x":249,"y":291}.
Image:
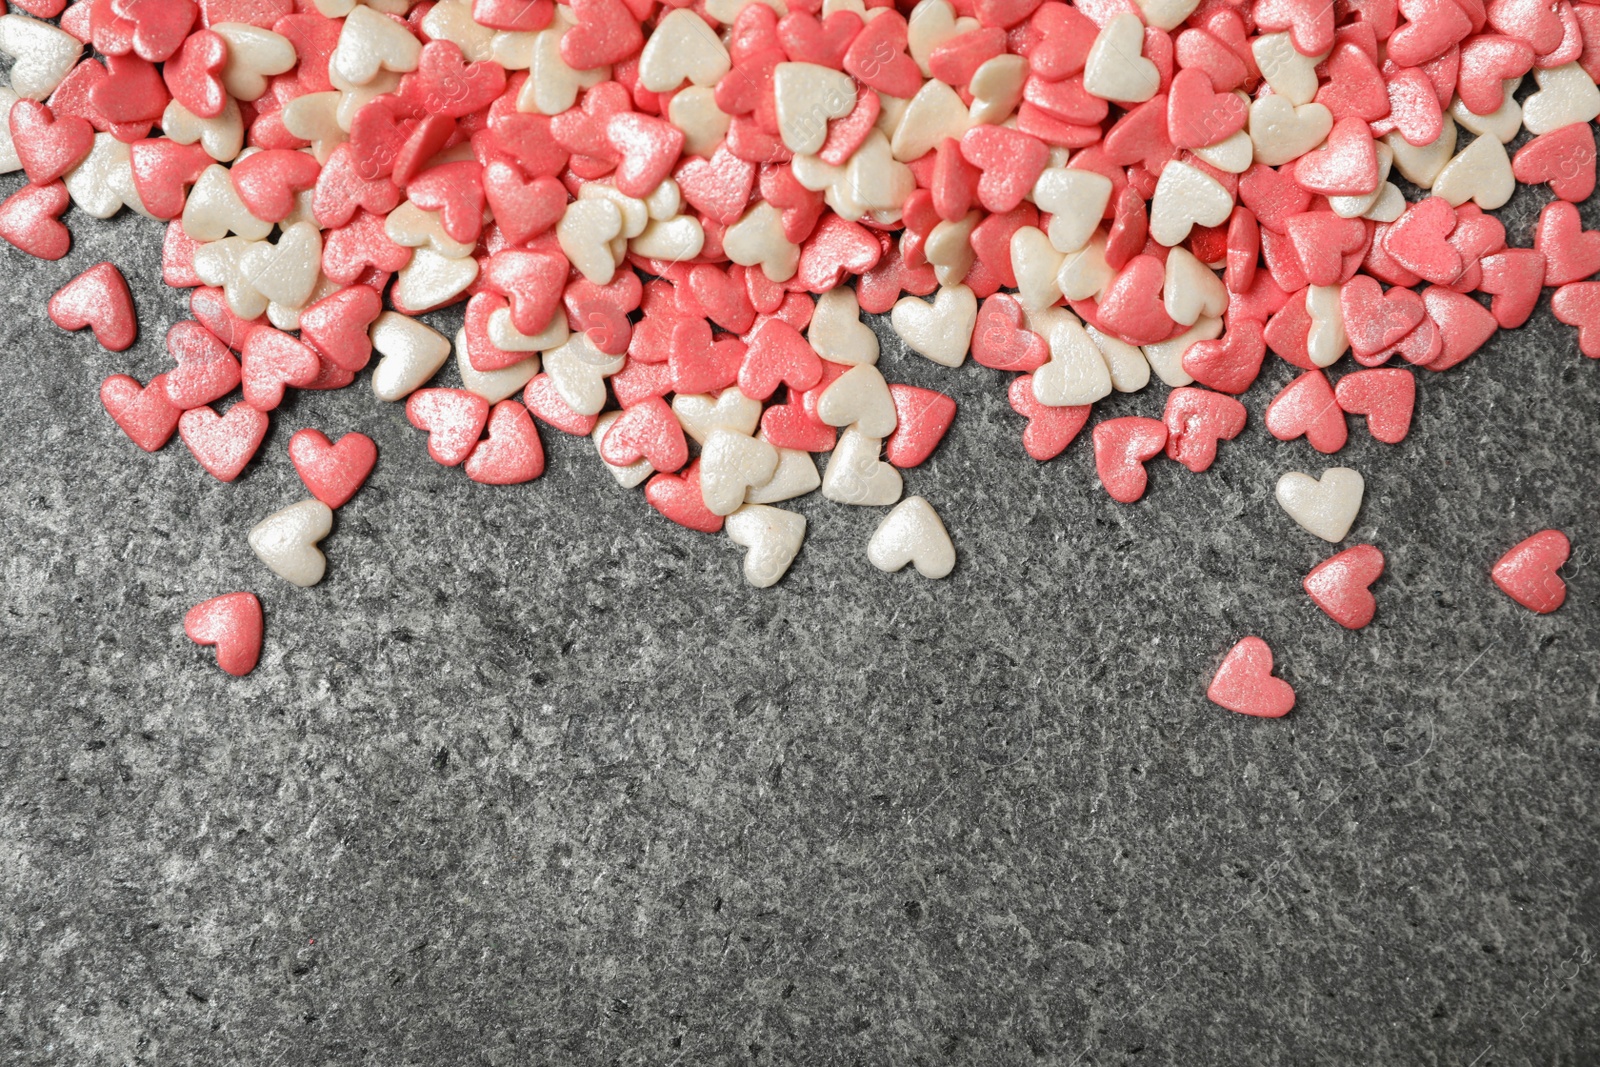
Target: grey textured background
{"x":533,"y":777}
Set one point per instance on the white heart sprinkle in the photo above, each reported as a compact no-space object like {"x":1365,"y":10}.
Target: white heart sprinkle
{"x":942,"y":330}
{"x":1076,"y":200}
{"x":432,"y":280}
{"x":286,"y":541}
{"x":255,"y":55}
{"x":1503,"y":123}
{"x":215,"y":210}
{"x":370,"y":42}
{"x":771,"y":538}
{"x":1282,"y":132}
{"x":1420,"y":166}
{"x":936,"y":112}
{"x":578,"y":370}
{"x":1116,"y":68}
{"x":1326,"y":508}
{"x":1326,"y":341}
{"x":1292,"y":76}
{"x":1166,"y":357}
{"x":912,"y":533}
{"x":855,"y":474}
{"x":493,"y":385}
{"x":837,"y":333}
{"x":44,"y":54}
{"x":1077,"y":372}
{"x":682,"y":48}
{"x":796,"y":476}
{"x":700,"y":413}
{"x":1566,"y":95}
{"x":412,"y":353}
{"x":221,"y":137}
{"x":1191,"y":289}
{"x":859,"y":397}
{"x":1480,"y":172}
{"x":807,"y":96}
{"x":1185,"y":197}
{"x":730,"y":463}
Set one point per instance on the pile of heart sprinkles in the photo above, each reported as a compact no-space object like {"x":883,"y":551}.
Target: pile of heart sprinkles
{"x":665,"y":219}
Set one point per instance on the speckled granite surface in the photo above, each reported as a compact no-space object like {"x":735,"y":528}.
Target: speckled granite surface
{"x":533,"y":777}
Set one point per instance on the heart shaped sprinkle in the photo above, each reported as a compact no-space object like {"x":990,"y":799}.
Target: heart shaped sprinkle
{"x":1245,"y":683}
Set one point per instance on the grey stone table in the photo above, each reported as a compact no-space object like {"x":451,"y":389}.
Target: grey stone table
{"x":534,"y":777}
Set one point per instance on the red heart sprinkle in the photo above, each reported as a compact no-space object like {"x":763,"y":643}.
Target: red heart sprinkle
{"x":1527,"y":573}
{"x":923,"y":416}
{"x":454,"y":419}
{"x":98,"y":297}
{"x":223,"y":444}
{"x":1386,"y":397}
{"x":1196,"y":420}
{"x":143,"y":412}
{"x":1121,"y":448}
{"x":1340,"y":585}
{"x":1245,"y":683}
{"x":332,"y":472}
{"x":206,"y":371}
{"x":512,"y":453}
{"x":233,"y":623}
{"x":1307,"y":407}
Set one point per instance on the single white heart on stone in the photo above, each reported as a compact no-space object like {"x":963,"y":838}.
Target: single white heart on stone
{"x":1130,"y":371}
{"x":1503,"y":123}
{"x":1076,"y":200}
{"x":412,"y":353}
{"x":221,"y":264}
{"x":43,"y":54}
{"x":1234,"y":153}
{"x":934,"y":113}
{"x":730,"y":463}
{"x":412,"y":227}
{"x":214,"y":209}
{"x":1166,"y":357}
{"x":1191,"y":289}
{"x":315,"y":118}
{"x":98,"y":183}
{"x":286,"y":541}
{"x":1166,"y":14}
{"x":504,"y":335}
{"x":855,"y":474}
{"x":432,"y":280}
{"x":1480,"y":172}
{"x":949,"y":248}
{"x":1292,"y":76}
{"x":1116,"y":69}
{"x":996,"y":88}
{"x":585,"y":234}
{"x":255,"y":55}
{"x":758,"y":240}
{"x":221,"y":137}
{"x":942,"y":330}
{"x":671,"y":240}
{"x":1566,"y":95}
{"x":694,"y":111}
{"x":701,"y":413}
{"x":1084,"y":274}
{"x":1354,"y":207}
{"x":682,"y":48}
{"x":837,"y":333}
{"x":859,"y":398}
{"x":552,"y":86}
{"x":912,"y":533}
{"x":579,"y":371}
{"x":1327,"y":507}
{"x":369,"y":43}
{"x":807,"y":95}
{"x":795,"y":476}
{"x":1282,"y":132}
{"x":770,"y":536}
{"x":493,"y":385}
{"x":1035,"y":263}
{"x":286,"y":272}
{"x":1420,"y":166}
{"x":1186,"y":197}
{"x":1326,"y":341}
{"x":1077,"y":373}
{"x":451,"y":20}
{"x":627,"y":476}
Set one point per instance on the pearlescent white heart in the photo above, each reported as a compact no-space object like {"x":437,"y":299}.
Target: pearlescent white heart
{"x":860,"y":398}
{"x":1191,"y":289}
{"x":493,"y":385}
{"x":1420,"y":166}
{"x":286,"y":541}
{"x":837,"y":333}
{"x":1282,"y":132}
{"x":214,"y":209}
{"x":757,"y":240}
{"x":700,"y":413}
{"x":432,"y":280}
{"x":912,"y":533}
{"x":44,"y":55}
{"x":255,"y":55}
{"x":1035,"y":264}
{"x":1077,"y":373}
{"x":579,"y":371}
{"x":1166,"y":357}
{"x":1130,"y":371}
{"x":221,"y":137}
{"x":730,"y":463}
{"x":855,"y":474}
{"x":1480,"y":172}
{"x":1566,"y":95}
{"x":412,"y":353}
{"x":1076,"y":200}
{"x":1326,"y":507}
{"x":935,"y":112}
{"x":370,"y":43}
{"x":1186,"y":197}
{"x":682,"y":48}
{"x":807,"y":96}
{"x":1326,"y":340}
{"x":1503,"y":123}
{"x":942,"y":330}
{"x":1116,"y":69}
{"x":795,"y":476}
{"x":1291,"y":75}
{"x":770,"y":536}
